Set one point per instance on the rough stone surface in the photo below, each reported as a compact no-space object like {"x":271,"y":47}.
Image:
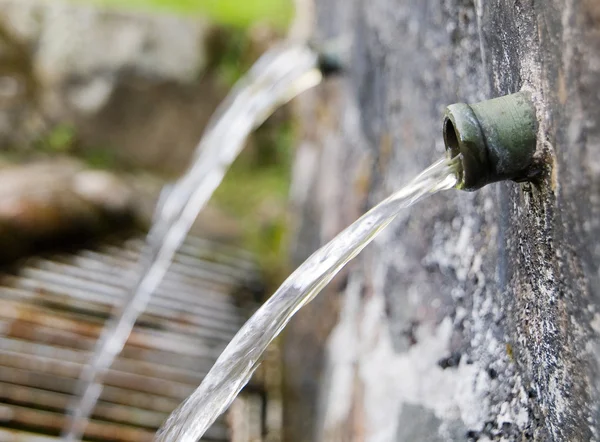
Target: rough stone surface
{"x":474,"y":316}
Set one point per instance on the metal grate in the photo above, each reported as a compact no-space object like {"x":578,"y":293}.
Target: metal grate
{"x":53,"y":309}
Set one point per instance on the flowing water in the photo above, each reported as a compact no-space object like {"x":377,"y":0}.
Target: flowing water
{"x":278,"y":76}
{"x":241,"y":357}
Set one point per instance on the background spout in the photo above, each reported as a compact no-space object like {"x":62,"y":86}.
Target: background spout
{"x":330,"y":64}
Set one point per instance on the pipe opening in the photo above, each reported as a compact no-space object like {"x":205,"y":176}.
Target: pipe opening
{"x":453,"y":148}
{"x":330,"y":65}
{"x":451,"y":138}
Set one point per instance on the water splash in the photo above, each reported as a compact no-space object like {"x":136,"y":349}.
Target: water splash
{"x":242,"y":356}
{"x":279,"y":75}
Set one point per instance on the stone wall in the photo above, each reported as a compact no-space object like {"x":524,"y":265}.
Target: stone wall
{"x":474,"y":316}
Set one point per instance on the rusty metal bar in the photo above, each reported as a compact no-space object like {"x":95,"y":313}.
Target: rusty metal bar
{"x":52,"y":311}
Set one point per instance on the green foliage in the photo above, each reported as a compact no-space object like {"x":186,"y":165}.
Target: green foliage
{"x":240,"y":13}
{"x":230,"y":55}
{"x":60,"y":139}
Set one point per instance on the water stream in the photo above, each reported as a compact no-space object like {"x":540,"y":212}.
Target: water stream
{"x":279,"y":75}
{"x":242,"y":356}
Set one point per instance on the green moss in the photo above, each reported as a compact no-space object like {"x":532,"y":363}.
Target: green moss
{"x":58,"y":140}
{"x":99,"y":158}
{"x":229,"y":55}
{"x":238,"y":13}
{"x":61,"y":138}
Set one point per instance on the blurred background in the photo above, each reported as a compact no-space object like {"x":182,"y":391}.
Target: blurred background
{"x":101,"y":104}
{"x":127,"y":87}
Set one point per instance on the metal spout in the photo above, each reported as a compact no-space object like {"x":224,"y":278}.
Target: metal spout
{"x":497,"y":139}
{"x":330,"y":64}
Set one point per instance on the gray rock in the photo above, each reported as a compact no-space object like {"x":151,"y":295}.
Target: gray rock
{"x":125,"y":81}
{"x":93,"y":45}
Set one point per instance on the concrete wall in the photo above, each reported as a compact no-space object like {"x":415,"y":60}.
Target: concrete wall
{"x":474,"y":316}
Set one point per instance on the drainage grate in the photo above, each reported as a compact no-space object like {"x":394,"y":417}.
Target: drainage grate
{"x":53,"y":309}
